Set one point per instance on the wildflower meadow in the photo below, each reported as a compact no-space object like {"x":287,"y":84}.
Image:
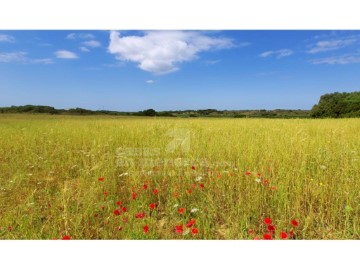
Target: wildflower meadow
{"x":103,"y":177}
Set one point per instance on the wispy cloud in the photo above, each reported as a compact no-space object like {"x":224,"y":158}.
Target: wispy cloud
{"x":330,"y":45}
{"x":80,"y":36}
{"x":21,"y":57}
{"x":150,"y":81}
{"x":12,"y":57}
{"x":7,"y":38}
{"x":161,"y":52}
{"x":64,"y":54}
{"x":279,"y":53}
{"x":342,"y":59}
{"x":45,"y":61}
{"x":84,"y":49}
{"x":92,"y":43}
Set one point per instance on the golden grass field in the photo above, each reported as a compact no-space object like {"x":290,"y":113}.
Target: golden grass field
{"x":96,"y":177}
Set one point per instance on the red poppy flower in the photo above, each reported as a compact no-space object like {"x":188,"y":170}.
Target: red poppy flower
{"x":66,"y":237}
{"x":219,"y":176}
{"x":189,"y":191}
{"x":202,"y":185}
{"x":295,"y":223}
{"x":273,"y":188}
{"x":181,"y":211}
{"x":266,"y":182}
{"x":194,"y":231}
{"x":191,"y":223}
{"x":193,"y":167}
{"x":152,"y":206}
{"x":146,"y":229}
{"x":156,"y":191}
{"x":291,"y":233}
{"x":124,"y":209}
{"x":145,"y":186}
{"x":140,"y":215}
{"x":105,"y":193}
{"x":256,"y":238}
{"x":134,"y":196}
{"x":179,"y":229}
{"x":193,"y":186}
{"x":283,"y":235}
{"x":118,"y":203}
{"x":267,"y":236}
{"x":126,"y":220}
{"x":258,"y":174}
{"x":117,"y":212}
{"x":247,"y":173}
{"x":251,"y":231}
{"x":271,"y":229}
{"x":267,"y":221}
{"x":101,"y":179}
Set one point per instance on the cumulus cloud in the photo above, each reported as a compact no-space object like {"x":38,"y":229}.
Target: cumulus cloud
{"x":7,"y":38}
{"x":330,"y":45}
{"x":279,"y":53}
{"x":65,"y":54}
{"x":161,"y":52}
{"x":92,"y":43}
{"x":341,"y":60}
{"x":150,"y":81}
{"x":80,"y":36}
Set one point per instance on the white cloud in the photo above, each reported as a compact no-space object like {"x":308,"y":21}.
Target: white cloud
{"x":21,"y":57}
{"x":7,"y":38}
{"x":284,"y":52}
{"x":80,"y":36}
{"x":330,"y":45}
{"x":92,"y":43}
{"x":84,"y":49}
{"x":65,"y":54}
{"x":161,"y":52}
{"x":279,"y":53}
{"x":342,"y":60}
{"x":13,"y":57}
{"x":150,"y":81}
{"x":71,"y":36}
{"x":266,"y":54}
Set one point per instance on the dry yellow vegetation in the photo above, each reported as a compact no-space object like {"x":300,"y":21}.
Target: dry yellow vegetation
{"x":95,"y":177}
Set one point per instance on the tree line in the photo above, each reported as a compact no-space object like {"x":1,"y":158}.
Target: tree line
{"x":334,"y":105}
{"x":337,"y":105}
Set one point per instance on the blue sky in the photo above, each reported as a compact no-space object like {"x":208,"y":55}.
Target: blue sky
{"x":176,"y":70}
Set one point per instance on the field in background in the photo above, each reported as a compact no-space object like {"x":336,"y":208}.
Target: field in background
{"x":96,"y":177}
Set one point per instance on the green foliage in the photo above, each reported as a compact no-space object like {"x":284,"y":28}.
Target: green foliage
{"x":337,"y":105}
